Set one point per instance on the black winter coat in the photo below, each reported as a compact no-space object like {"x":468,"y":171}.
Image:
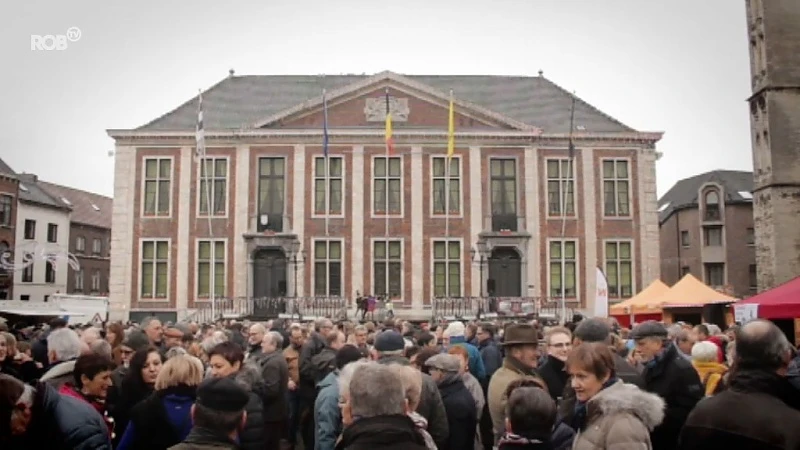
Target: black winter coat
{"x":275,"y":373}
{"x":672,"y":378}
{"x":152,"y":426}
{"x":395,"y":432}
{"x":759,"y":410}
{"x":252,"y":436}
{"x":459,"y":405}
{"x":61,"y":422}
{"x":554,"y":375}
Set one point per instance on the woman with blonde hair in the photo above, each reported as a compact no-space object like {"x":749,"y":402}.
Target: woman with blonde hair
{"x":163,"y":419}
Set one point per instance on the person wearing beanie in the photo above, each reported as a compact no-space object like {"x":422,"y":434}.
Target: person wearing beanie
{"x":46,"y":419}
{"x":327,"y":414}
{"x":457,"y":331}
{"x":218,"y":415}
{"x":389,"y":346}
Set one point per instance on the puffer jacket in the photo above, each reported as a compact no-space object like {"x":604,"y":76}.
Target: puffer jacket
{"x":63,"y":423}
{"x":252,"y":436}
{"x":327,"y":415}
{"x":620,"y":417}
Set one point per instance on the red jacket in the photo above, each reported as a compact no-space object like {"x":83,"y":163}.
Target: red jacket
{"x":69,"y":390}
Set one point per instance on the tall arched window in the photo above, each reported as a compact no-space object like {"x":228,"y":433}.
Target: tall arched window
{"x":711,"y":205}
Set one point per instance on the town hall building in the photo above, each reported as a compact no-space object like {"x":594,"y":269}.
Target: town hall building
{"x":266,"y":214}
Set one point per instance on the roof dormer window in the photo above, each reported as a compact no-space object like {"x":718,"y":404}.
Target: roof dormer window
{"x":711,"y":205}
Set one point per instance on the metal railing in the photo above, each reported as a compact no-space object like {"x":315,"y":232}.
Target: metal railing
{"x":499,"y":307}
{"x":271,"y":308}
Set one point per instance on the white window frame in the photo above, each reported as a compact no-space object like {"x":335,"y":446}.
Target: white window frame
{"x":458,"y":178}
{"x":616,"y":180}
{"x":143,"y":191}
{"x":433,"y":261}
{"x":80,"y":244}
{"x":96,"y":281}
{"x":97,"y":247}
{"x":518,"y":187}
{"x":140,"y":276}
{"x":632,"y":260}
{"x":212,"y":261}
{"x":11,"y":204}
{"x":315,"y":177}
{"x":372,"y":261}
{"x":213,"y":180}
{"x":79,"y":279}
{"x":577,"y":267}
{"x":374,"y":214}
{"x":564,"y":182}
{"x":313,"y":260}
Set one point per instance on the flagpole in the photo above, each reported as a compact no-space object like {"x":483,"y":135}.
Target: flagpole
{"x":388,"y":153}
{"x":564,"y":195}
{"x":328,"y":190}
{"x":205,"y":179}
{"x":447,"y":172}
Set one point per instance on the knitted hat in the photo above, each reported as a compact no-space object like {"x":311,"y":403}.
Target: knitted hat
{"x":389,"y":341}
{"x":222,"y":394}
{"x":136,"y":340}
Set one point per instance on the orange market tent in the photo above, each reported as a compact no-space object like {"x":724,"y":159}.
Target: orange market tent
{"x":641,"y":302}
{"x":691,"y":293}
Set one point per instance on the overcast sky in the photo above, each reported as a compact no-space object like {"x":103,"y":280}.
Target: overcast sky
{"x":679,"y":66}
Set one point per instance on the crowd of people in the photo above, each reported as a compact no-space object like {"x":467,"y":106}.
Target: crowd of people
{"x":588,"y":385}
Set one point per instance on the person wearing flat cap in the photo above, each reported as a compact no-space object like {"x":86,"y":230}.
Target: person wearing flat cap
{"x":521,"y":344}
{"x":218,"y":415}
{"x":669,"y":375}
{"x":459,"y":405}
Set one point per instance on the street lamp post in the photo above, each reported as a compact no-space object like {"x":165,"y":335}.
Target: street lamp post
{"x":297,"y":257}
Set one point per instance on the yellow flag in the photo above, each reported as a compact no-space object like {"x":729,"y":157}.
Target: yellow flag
{"x":451,"y":129}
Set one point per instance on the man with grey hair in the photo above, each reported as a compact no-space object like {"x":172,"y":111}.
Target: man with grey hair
{"x":102,"y":347}
{"x":63,"y":347}
{"x":308,"y":378}
{"x":275,"y":395}
{"x":255,"y":336}
{"x":389,"y":346}
{"x":376,"y":396}
{"x":685,"y":340}
{"x":671,"y":377}
{"x":758,"y":383}
{"x":154,"y":330}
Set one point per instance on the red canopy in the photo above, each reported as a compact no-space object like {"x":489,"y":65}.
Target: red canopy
{"x":781,"y":302}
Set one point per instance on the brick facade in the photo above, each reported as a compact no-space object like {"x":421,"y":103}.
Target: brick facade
{"x":416,"y":226}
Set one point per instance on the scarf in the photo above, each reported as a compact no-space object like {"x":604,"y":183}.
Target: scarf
{"x":581,"y":408}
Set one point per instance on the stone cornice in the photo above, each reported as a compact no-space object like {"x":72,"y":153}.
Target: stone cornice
{"x":376,"y":136}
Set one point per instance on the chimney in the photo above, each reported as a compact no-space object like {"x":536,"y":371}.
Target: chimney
{"x":231,"y":73}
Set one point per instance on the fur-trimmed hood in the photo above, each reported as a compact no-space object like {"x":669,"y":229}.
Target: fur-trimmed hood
{"x":622,"y":397}
{"x":249,"y":377}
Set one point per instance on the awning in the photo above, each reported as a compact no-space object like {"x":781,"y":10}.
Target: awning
{"x":641,"y":302}
{"x":691,"y":293}
{"x":780,"y":302}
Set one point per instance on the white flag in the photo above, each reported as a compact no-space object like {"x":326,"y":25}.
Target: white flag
{"x":601,"y":295}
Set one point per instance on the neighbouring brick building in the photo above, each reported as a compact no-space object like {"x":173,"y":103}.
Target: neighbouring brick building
{"x":285,"y":223}
{"x":706,"y":229}
{"x":89,"y":238}
{"x":9,"y":189}
{"x":774,"y":36}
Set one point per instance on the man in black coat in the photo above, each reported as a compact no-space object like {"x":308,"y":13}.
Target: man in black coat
{"x":39,"y":417}
{"x":760,"y":409}
{"x":459,"y":405}
{"x":671,"y":377}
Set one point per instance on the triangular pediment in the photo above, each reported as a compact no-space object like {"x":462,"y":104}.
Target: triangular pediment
{"x":362,"y":104}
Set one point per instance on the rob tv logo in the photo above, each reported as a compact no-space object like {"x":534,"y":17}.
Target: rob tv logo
{"x":50,"y":42}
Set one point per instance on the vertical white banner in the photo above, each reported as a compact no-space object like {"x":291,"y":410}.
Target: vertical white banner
{"x":601,"y":295}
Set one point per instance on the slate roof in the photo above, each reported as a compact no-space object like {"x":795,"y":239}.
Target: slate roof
{"x":240,"y":101}
{"x":87,"y":208}
{"x":737,"y":186}
{"x":30,"y":191}
{"x":6,"y":170}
